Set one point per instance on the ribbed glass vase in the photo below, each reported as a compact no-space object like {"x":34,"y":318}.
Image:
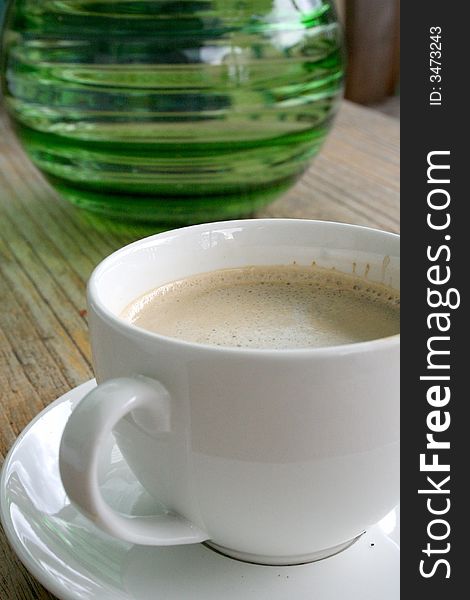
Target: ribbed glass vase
{"x":171,"y":111}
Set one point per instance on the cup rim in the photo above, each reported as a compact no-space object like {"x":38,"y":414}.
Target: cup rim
{"x":133,"y":330}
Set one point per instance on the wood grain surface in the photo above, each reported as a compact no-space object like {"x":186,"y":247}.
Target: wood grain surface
{"x":48,"y":249}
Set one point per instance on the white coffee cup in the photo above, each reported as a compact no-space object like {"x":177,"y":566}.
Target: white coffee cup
{"x":271,"y":456}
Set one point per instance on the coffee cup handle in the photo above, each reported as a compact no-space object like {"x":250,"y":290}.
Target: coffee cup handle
{"x":90,"y":423}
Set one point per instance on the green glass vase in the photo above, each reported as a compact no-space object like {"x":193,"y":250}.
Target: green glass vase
{"x":169,"y":111}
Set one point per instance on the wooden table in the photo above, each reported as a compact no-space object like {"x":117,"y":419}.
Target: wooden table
{"x":48,"y":250}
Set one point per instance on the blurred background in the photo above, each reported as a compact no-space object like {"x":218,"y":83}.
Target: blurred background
{"x":373,"y":46}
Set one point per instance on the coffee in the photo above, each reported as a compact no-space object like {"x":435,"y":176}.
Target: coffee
{"x":269,"y":307}
{"x":276,"y":307}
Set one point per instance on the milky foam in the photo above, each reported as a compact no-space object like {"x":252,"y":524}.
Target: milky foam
{"x":269,"y":307}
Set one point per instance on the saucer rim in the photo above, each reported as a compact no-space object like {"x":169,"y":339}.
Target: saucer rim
{"x":50,"y":584}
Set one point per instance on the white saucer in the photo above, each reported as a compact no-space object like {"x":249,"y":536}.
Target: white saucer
{"x":76,"y":561}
